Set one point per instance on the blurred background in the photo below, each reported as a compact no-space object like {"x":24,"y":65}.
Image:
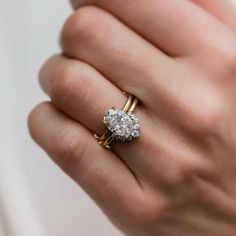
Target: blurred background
{"x":36,"y":198}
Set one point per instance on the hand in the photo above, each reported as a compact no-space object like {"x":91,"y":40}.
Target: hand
{"x":180,"y":61}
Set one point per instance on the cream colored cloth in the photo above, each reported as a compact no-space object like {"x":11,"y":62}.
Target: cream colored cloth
{"x":36,"y":198}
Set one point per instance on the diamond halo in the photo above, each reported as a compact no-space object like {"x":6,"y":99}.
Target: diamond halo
{"x":123,"y":126}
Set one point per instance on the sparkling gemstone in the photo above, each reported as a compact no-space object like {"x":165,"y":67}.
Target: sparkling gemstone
{"x":123,"y":125}
{"x":135,"y":134}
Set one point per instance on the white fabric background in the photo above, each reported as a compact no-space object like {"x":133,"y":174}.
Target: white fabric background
{"x":36,"y":198}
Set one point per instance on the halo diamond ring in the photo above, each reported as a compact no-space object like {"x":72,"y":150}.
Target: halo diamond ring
{"x":121,"y":124}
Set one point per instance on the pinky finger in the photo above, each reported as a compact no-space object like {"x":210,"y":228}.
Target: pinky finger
{"x":99,"y":172}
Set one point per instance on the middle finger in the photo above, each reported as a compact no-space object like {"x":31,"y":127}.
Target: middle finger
{"x":171,"y":88}
{"x":126,"y":59}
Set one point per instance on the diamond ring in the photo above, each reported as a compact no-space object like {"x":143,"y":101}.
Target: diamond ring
{"x":121,"y":124}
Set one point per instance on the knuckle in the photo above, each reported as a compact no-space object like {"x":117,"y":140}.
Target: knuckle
{"x":35,"y":115}
{"x":62,"y":84}
{"x":205,"y":121}
{"x":83,"y":26}
{"x":46,"y":65}
{"x":150,"y":210}
{"x":145,"y":215}
{"x":205,"y":118}
{"x":45,"y":73}
{"x":70,"y":149}
{"x":186,"y":165}
{"x":72,"y":81}
{"x":227,"y":55}
{"x":187,"y":171}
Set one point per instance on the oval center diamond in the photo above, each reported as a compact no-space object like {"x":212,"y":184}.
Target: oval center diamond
{"x":123,"y":125}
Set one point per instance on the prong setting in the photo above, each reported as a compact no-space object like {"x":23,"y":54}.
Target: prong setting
{"x":123,"y":126}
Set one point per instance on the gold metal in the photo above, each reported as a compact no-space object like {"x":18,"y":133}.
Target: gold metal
{"x":106,"y":139}
{"x":106,"y":143}
{"x":133,"y":105}
{"x":128,"y":103}
{"x":103,"y":137}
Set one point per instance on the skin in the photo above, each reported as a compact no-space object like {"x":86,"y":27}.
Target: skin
{"x":179,"y":59}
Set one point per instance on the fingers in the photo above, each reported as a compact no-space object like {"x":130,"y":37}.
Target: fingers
{"x":101,"y":174}
{"x":71,"y":86}
{"x":165,"y":85}
{"x":84,"y":94}
{"x":223,"y":10}
{"x":77,"y":89}
{"x":174,"y":26}
{"x":128,"y":61}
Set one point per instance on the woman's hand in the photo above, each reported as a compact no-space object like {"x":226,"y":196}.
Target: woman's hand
{"x":178,"y":178}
